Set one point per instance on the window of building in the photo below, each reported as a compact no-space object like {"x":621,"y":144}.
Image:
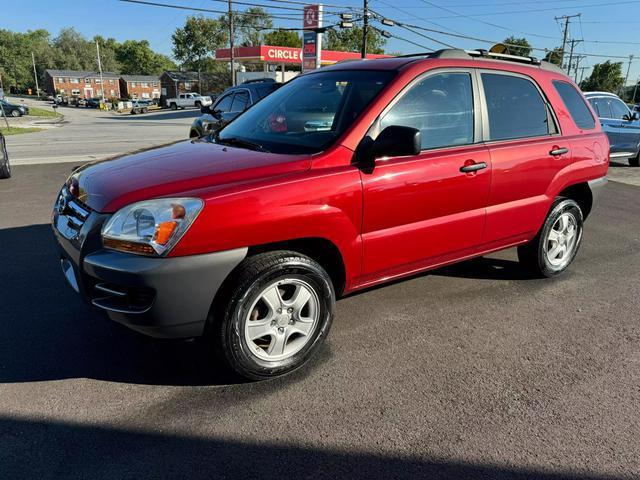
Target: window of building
{"x":60,"y":80}
{"x":144,"y":84}
{"x":155,"y":84}
{"x":111,"y":81}
{"x":112,"y":93}
{"x":75,"y":91}
{"x":74,"y":80}
{"x":62,"y":90}
{"x":576,"y":105}
{"x":97,"y":80}
{"x":133,"y":84}
{"x":187,"y":85}
{"x":145,"y":95}
{"x":440,"y":106}
{"x":515,"y":107}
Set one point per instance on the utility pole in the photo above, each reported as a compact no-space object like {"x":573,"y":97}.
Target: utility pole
{"x":233,"y":63}
{"x":635,"y":90}
{"x":35,"y":75}
{"x":365,"y":29}
{"x":567,"y":20}
{"x":100,"y":70}
{"x":579,"y":58}
{"x":626,"y":78}
{"x":582,"y":69}
{"x":573,"y":44}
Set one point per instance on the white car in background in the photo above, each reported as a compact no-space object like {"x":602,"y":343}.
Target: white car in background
{"x":189,"y":99}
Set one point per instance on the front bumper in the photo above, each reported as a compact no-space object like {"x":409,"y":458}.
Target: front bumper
{"x":161,"y":297}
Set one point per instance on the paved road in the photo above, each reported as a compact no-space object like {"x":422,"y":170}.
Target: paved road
{"x":88,"y":134}
{"x":474,"y":371}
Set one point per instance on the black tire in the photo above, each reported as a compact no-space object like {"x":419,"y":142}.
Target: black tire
{"x":16,"y":113}
{"x":226,"y":328}
{"x":198,"y":104}
{"x":635,"y":161}
{"x":145,"y":110}
{"x":5,"y":168}
{"x":533,"y":255}
{"x":173,"y":106}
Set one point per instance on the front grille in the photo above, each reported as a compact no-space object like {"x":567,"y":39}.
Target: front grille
{"x":70,"y":214}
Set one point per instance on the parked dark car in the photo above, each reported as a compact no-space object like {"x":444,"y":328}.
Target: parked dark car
{"x":93,"y":103}
{"x":5,"y":168}
{"x":230,"y":103}
{"x":14,"y":110}
{"x":621,"y":125}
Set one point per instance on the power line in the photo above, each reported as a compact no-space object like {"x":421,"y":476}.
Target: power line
{"x":196,"y":9}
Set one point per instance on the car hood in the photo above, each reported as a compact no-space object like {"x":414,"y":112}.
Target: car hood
{"x":175,"y":169}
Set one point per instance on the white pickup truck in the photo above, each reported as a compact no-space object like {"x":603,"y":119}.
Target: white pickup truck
{"x":189,"y":100}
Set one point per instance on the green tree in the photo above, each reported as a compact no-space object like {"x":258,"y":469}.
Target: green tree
{"x":605,"y":77}
{"x":350,"y":40}
{"x":283,"y":38}
{"x":137,"y":58}
{"x":198,"y":40}
{"x":74,"y":52}
{"x":15,"y":57}
{"x":554,"y":56}
{"x":517,"y":46}
{"x":248,"y":26}
{"x":108,"y":53}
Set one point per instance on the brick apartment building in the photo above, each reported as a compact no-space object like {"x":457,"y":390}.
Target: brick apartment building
{"x":174,"y":82}
{"x":140,"y":86}
{"x":82,"y":83}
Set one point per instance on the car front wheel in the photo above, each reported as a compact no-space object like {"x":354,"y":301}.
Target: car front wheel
{"x":174,"y":106}
{"x":16,"y":113}
{"x":279,"y":311}
{"x":557,"y":243}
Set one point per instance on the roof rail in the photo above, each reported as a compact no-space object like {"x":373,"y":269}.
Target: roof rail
{"x":456,"y":53}
{"x":259,"y":80}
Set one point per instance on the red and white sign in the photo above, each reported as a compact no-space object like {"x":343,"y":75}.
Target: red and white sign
{"x":311,"y":18}
{"x":279,"y":55}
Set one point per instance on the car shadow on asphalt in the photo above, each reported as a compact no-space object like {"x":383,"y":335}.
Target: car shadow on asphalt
{"x":48,"y":333}
{"x":38,"y":449}
{"x":486,"y":268}
{"x":161,"y":115}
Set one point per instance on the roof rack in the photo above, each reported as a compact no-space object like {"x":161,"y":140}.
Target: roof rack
{"x":259,"y":80}
{"x":456,"y":53}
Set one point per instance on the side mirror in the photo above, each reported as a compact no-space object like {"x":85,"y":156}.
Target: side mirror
{"x":631,"y":116}
{"x":396,"y":141}
{"x":393,"y":141}
{"x":204,"y":109}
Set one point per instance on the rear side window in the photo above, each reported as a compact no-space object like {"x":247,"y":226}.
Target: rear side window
{"x":602,"y":107}
{"x":440,"y":106}
{"x":515,"y":107}
{"x":575,"y":104}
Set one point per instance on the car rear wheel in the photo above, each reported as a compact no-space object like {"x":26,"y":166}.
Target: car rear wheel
{"x":279,"y":312}
{"x":198,"y":104}
{"x":557,"y":243}
{"x":174,"y":106}
{"x":16,"y":113}
{"x":5,"y":168}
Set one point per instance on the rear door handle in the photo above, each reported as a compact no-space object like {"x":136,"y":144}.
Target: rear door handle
{"x":557,"y":151}
{"x":473,"y":167}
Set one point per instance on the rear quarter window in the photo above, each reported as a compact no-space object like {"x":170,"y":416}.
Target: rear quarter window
{"x":575,"y":104}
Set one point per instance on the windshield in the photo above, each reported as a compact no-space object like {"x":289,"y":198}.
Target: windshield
{"x":307,"y":114}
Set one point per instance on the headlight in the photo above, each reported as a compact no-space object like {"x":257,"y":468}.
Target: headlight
{"x":152,"y":227}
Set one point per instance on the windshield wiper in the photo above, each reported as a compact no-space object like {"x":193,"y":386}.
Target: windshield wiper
{"x":239,"y":142}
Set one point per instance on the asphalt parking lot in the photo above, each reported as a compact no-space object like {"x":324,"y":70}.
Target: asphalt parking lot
{"x":473,"y":371}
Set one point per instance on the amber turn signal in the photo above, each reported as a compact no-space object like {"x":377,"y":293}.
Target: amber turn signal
{"x":164,"y":231}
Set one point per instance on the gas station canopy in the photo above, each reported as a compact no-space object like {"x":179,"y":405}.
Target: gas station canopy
{"x":285,"y":55}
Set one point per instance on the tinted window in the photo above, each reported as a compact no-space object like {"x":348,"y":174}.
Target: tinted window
{"x":224,"y":105}
{"x":309,"y":113}
{"x":618,"y":108}
{"x":265,"y":90}
{"x":440,"y":106}
{"x":575,"y":104}
{"x":601,"y":106}
{"x":240,"y":102}
{"x":515,"y":107}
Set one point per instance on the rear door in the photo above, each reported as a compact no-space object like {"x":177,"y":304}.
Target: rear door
{"x":610,"y":124}
{"x":422,"y":210}
{"x":526,"y":150}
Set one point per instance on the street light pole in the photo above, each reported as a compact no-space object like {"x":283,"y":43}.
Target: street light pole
{"x":626,"y":78}
{"x":100,"y":70}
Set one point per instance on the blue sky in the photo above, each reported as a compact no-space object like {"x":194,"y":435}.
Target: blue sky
{"x":601,"y":21}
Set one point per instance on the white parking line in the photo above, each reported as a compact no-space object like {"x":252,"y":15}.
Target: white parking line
{"x":61,"y":159}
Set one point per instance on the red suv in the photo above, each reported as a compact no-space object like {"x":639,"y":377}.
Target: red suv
{"x":344,"y":178}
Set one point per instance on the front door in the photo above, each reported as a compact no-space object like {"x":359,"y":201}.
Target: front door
{"x":610,"y":125}
{"x":422,"y":210}
{"x":88,"y":93}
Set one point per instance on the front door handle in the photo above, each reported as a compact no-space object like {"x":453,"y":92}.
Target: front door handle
{"x":557,"y":151}
{"x":473,"y":167}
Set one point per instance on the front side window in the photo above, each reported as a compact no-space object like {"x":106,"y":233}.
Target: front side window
{"x":240,"y":102}
{"x":224,"y":104}
{"x":309,"y":113}
{"x":440,"y":106}
{"x":515,"y":107}
{"x":618,"y":109}
{"x":576,"y":105}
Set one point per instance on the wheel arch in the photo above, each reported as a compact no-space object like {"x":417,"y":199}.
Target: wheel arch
{"x":582,"y":195}
{"x":322,"y":250}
